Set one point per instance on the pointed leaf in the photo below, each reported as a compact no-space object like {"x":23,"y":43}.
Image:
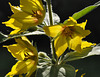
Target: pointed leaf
{"x":84,"y":11}
{"x":4,"y":38}
{"x":69,"y":70}
{"x":95,"y":51}
{"x":63,"y":70}
{"x":90,"y":51}
{"x":77,"y":55}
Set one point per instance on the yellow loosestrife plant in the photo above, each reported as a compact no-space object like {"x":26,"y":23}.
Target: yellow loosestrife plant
{"x":64,"y":37}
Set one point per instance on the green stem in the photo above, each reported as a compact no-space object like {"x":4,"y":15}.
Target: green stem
{"x":53,"y":51}
{"x":50,"y":11}
{"x":51,"y":23}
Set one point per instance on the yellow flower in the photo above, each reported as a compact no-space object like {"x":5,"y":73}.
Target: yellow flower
{"x":23,"y":67}
{"x":22,"y":49}
{"x":76,"y":70}
{"x":67,"y":35}
{"x":30,"y":13}
{"x":83,"y":75}
{"x":27,"y":57}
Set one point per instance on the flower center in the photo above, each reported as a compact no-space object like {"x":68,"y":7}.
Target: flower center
{"x":68,"y":31}
{"x":37,"y":14}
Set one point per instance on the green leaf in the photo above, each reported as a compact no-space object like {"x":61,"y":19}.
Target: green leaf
{"x":7,"y":76}
{"x":84,"y":11}
{"x":43,"y":59}
{"x":95,"y":51}
{"x":4,"y":38}
{"x":77,"y":55}
{"x":63,"y":70}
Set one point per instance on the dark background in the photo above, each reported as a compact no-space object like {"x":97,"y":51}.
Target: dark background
{"x":64,"y":8}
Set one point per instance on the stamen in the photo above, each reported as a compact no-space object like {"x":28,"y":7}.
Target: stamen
{"x":37,"y":14}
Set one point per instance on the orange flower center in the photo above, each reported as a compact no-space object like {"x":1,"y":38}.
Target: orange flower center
{"x":37,"y":14}
{"x":68,"y":31}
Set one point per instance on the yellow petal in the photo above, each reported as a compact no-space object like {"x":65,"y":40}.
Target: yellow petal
{"x":31,"y":5}
{"x":16,"y":50}
{"x":71,"y":22}
{"x":15,"y":9}
{"x":81,"y":32}
{"x":25,"y":43}
{"x":75,"y":43}
{"x":60,"y":45}
{"x":86,"y":44}
{"x":76,"y":70}
{"x":22,"y":67}
{"x":83,"y":24}
{"x":26,"y":39}
{"x":25,"y":18}
{"x":30,"y":72}
{"x":83,"y":75}
{"x":13,"y":24}
{"x":16,"y":31}
{"x":52,"y":30}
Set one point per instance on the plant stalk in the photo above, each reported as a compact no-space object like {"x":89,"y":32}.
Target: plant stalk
{"x":49,"y":5}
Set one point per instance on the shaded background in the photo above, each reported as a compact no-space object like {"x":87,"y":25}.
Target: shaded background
{"x":64,"y":8}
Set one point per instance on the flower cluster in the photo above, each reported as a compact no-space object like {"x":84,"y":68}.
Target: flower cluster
{"x":63,"y":36}
{"x":30,"y":13}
